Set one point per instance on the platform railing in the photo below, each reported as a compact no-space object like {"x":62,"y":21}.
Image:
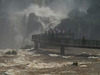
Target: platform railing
{"x":65,"y":41}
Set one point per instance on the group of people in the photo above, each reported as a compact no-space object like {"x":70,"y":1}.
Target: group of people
{"x":58,"y":33}
{"x":55,"y":31}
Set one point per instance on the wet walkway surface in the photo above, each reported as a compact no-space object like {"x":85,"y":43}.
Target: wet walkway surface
{"x":50,"y":62}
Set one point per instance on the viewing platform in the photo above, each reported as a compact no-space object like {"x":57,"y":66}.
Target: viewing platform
{"x":64,"y":41}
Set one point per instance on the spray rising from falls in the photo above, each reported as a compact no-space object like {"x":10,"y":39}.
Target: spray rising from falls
{"x":46,"y":16}
{"x":36,"y":19}
{"x":32,"y":19}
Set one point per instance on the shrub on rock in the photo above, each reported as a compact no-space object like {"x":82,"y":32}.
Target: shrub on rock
{"x":11,"y":52}
{"x":75,"y":64}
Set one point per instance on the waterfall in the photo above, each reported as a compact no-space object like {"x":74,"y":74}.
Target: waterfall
{"x":13,"y":25}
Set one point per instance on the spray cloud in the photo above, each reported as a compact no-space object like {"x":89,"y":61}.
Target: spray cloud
{"x":48,"y":15}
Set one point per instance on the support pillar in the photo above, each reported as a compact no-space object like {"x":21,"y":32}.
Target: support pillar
{"x":36,"y":45}
{"x":62,"y":52}
{"x":36,"y":42}
{"x":41,"y":45}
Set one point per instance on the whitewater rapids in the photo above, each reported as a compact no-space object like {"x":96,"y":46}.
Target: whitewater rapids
{"x":27,"y":61}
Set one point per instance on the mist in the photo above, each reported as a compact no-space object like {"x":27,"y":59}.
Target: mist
{"x":15,"y":27}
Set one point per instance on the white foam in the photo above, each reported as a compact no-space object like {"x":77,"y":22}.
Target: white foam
{"x":92,"y":57}
{"x":53,"y":55}
{"x":46,"y":65}
{"x":66,"y":57}
{"x":83,"y":65}
{"x":7,"y":64}
{"x":12,"y":72}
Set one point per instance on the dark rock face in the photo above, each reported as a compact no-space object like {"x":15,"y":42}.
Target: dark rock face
{"x":33,"y":25}
{"x":94,"y":9}
{"x":76,"y":13}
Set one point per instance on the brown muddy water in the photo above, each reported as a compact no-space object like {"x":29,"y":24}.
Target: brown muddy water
{"x":49,"y":62}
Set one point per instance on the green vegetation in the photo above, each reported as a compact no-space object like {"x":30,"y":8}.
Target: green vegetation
{"x":75,"y":64}
{"x":11,"y":52}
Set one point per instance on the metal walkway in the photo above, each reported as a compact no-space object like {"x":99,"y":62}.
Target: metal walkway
{"x":65,"y":41}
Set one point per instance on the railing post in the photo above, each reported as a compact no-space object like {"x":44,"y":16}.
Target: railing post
{"x":36,"y":42}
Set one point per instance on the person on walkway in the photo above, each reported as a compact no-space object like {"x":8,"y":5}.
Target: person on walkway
{"x":83,"y":40}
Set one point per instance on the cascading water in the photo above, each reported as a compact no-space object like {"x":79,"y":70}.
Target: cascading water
{"x":23,"y":30}
{"x":44,"y":15}
{"x":47,"y":15}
